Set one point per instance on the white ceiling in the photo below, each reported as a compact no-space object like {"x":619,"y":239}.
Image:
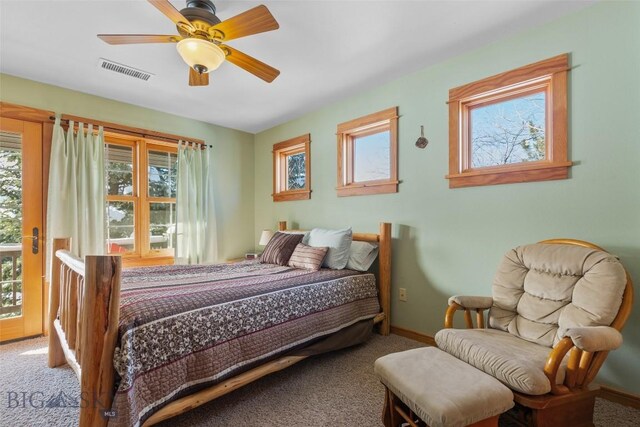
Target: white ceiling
{"x":325,"y":50}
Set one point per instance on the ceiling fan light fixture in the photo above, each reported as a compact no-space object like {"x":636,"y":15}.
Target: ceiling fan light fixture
{"x":201,"y":54}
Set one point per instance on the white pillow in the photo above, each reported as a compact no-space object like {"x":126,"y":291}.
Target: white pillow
{"x":362,"y":255}
{"x":338,"y":242}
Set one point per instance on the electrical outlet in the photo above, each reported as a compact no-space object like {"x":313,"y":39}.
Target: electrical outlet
{"x":403,"y":294}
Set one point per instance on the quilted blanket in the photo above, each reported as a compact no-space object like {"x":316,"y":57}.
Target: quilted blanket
{"x":183,"y":328}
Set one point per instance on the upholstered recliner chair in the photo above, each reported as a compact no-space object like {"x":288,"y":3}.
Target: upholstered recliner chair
{"x":556,"y":312}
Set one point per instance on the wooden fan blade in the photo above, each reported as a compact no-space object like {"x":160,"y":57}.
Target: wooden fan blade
{"x":253,"y":21}
{"x":197,"y":79}
{"x":172,"y":13}
{"x":250,"y":64}
{"x":138,"y":38}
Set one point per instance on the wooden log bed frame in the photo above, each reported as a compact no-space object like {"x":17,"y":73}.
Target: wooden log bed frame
{"x":84,"y":308}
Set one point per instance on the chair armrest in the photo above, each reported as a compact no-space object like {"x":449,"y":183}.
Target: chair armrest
{"x":589,"y":339}
{"x":595,"y":338}
{"x":472,"y":302}
{"x":466,"y":303}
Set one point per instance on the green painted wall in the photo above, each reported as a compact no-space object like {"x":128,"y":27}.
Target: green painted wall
{"x":450,"y":241}
{"x":234,"y":149}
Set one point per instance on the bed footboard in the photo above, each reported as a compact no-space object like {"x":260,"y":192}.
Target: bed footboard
{"x":84,"y":305}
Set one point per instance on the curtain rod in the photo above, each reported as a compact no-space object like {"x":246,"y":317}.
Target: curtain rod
{"x":132,"y":131}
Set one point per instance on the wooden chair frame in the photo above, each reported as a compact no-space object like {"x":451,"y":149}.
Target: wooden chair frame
{"x":570,"y":403}
{"x":84,"y":309}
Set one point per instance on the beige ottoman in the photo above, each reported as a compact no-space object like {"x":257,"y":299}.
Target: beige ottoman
{"x":440,"y":390}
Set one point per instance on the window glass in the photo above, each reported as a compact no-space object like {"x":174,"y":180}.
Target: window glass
{"x":162,"y":225}
{"x":296,"y":171}
{"x":507,"y":132}
{"x":162,"y":173}
{"x":368,"y":154}
{"x":371,"y":157}
{"x":119,"y":169}
{"x":121,"y":227}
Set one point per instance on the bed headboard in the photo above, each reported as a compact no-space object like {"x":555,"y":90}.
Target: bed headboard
{"x":383,"y":239}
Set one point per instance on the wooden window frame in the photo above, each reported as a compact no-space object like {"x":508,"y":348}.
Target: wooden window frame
{"x":142,"y":253}
{"x":282,"y":150}
{"x":382,"y":121}
{"x":549,"y":75}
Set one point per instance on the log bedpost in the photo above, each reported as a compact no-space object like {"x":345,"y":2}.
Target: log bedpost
{"x":56,"y":354}
{"x":385,"y":276}
{"x":101,"y":309}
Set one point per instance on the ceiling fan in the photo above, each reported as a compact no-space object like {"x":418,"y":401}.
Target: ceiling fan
{"x":202,"y":35}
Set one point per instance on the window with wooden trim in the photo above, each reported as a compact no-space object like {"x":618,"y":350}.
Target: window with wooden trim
{"x":511,"y":127}
{"x":292,"y":169}
{"x":368,"y":154}
{"x":141,"y":198}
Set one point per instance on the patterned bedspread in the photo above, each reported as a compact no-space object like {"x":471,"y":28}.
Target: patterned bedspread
{"x":183,"y":328}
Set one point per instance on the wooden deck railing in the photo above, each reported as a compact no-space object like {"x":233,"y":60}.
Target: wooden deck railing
{"x":11,"y":252}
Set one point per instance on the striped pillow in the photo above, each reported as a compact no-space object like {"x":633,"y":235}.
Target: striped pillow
{"x":308,"y":257}
{"x":280,"y":247}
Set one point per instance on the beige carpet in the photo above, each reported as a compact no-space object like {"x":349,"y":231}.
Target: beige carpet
{"x":337,"y":389}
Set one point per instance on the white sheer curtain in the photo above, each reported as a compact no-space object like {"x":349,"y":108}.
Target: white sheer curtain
{"x":197,"y":241}
{"x":76,"y":196}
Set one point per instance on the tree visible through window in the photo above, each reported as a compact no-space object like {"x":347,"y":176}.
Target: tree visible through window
{"x":296,"y":171}
{"x":508,"y":132}
{"x":11,"y":224}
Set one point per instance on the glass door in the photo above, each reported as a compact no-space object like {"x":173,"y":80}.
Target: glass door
{"x":21,"y":240}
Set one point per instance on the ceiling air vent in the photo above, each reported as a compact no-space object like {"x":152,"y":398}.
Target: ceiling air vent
{"x":124,"y":69}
